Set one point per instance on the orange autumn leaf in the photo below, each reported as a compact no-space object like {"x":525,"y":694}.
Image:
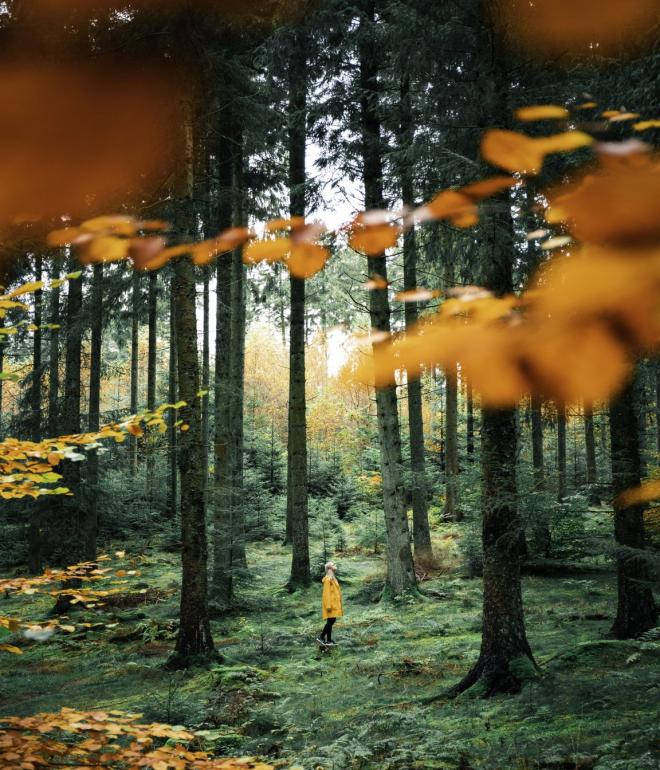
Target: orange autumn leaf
{"x":542,"y":112}
{"x":271,"y":250}
{"x":148,"y":253}
{"x":615,"y":116}
{"x":618,"y":205}
{"x":376,"y":282}
{"x":307,"y":259}
{"x":293,"y":223}
{"x":582,"y":28}
{"x":416,"y":295}
{"x":373,"y":240}
{"x":518,"y":152}
{"x":105,"y":248}
{"x":644,"y":493}
{"x":105,"y":128}
{"x":456,"y":206}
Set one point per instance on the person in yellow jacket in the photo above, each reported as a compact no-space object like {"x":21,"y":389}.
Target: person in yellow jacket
{"x":332,"y":606}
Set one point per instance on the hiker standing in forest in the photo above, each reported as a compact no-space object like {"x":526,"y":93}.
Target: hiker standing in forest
{"x":332,"y":606}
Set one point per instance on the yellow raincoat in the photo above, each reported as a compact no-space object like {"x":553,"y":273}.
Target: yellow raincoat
{"x":332,"y":607}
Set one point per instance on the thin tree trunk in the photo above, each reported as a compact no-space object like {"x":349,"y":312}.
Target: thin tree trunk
{"x":152,"y":313}
{"x":53,"y":352}
{"x":400,"y":569}
{"x":297,"y":450}
{"x":636,"y":609}
{"x":452,"y":509}
{"x":540,"y":526}
{"x":94,"y":419}
{"x":35,"y":526}
{"x":421,"y":529}
{"x":561,"y":452}
{"x":173,"y":398}
{"x":135,"y":363}
{"x":206,"y":376}
{"x":470,"y":423}
{"x":237,"y":360}
{"x":590,"y":449}
{"x":656,"y":369}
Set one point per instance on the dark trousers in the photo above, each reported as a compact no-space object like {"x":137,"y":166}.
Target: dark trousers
{"x":326,"y":634}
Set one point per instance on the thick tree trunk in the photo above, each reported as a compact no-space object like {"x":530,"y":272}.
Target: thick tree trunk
{"x":561,"y":452}
{"x":421,"y":529}
{"x":297,"y":450}
{"x":135,"y":363}
{"x":206,"y":376}
{"x":452,"y":509}
{"x":223,"y":538}
{"x":92,"y":485}
{"x":152,"y":314}
{"x":54,"y":353}
{"x":636,"y":609}
{"x":504,"y":641}
{"x":590,"y":450}
{"x":194,"y":637}
{"x":400,"y":569}
{"x":656,"y":370}
{"x":173,"y":398}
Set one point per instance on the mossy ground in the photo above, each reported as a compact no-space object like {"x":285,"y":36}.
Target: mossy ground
{"x":360,"y":705}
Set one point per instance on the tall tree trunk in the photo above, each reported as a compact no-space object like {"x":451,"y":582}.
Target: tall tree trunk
{"x":636,"y":609}
{"x":206,"y":375}
{"x":194,"y":636}
{"x":537,"y":442}
{"x":421,"y":529}
{"x":297,"y":450}
{"x":34,"y":527}
{"x":152,"y":314}
{"x":452,"y":510}
{"x":656,"y":370}
{"x":54,"y":352}
{"x":470,"y":423}
{"x":94,"y":419}
{"x":540,"y":527}
{"x":223,"y":545}
{"x":237,"y":359}
{"x":503,"y":641}
{"x":400,"y":569}
{"x":561,"y":452}
{"x":35,"y":391}
{"x":135,"y":363}
{"x":173,"y":398}
{"x":590,"y":450}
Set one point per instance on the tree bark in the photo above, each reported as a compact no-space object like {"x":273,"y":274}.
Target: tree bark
{"x":173,"y":398}
{"x":297,"y":503}
{"x":135,"y":363}
{"x":470,"y":423}
{"x":656,"y":369}
{"x":94,"y":418}
{"x":152,"y":319}
{"x":561,"y":452}
{"x":206,"y":375}
{"x":636,"y":609}
{"x":421,"y":529}
{"x":35,"y":526}
{"x":537,"y":442}
{"x":54,"y":353}
{"x":223,"y":544}
{"x":400,"y":569}
{"x":590,"y":450}
{"x":452,"y":510}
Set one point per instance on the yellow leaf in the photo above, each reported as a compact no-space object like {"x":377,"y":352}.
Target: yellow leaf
{"x":293,"y":223}
{"x":11,"y":648}
{"x":105,"y":248}
{"x":451,"y":204}
{"x":416,"y":295}
{"x":615,"y":116}
{"x":376,"y":282}
{"x":27,"y":288}
{"x":272,"y":250}
{"x":307,"y":259}
{"x":63,"y":237}
{"x":487,"y":187}
{"x":644,"y":125}
{"x":645,"y":493}
{"x":557,"y":242}
{"x":521,"y":153}
{"x":373,"y":239}
{"x":542,"y":112}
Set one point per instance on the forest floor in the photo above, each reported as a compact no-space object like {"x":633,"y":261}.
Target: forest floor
{"x":360,"y":705}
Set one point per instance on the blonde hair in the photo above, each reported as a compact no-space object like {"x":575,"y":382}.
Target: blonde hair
{"x":330,"y":565}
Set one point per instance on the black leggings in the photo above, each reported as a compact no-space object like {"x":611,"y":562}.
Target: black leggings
{"x":326,"y":634}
